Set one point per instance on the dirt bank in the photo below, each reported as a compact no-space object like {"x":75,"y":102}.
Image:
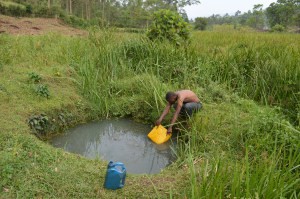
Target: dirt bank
{"x":36,"y":26}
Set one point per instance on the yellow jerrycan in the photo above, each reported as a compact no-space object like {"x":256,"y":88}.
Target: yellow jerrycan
{"x":159,"y":134}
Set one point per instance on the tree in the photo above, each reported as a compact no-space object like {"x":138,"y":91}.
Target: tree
{"x":283,"y":12}
{"x":200,"y":23}
{"x":168,"y":25}
{"x":237,"y":13}
{"x":257,"y":18}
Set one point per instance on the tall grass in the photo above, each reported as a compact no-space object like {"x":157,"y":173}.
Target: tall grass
{"x":251,"y":64}
{"x":263,"y":67}
{"x":260,"y":163}
{"x":248,"y":151}
{"x":233,"y":147}
{"x":245,"y":179}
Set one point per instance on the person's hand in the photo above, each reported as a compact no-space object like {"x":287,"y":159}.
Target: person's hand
{"x":169,"y":130}
{"x":157,"y":123}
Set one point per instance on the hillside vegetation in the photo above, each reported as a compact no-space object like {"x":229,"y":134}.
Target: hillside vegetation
{"x":244,"y":143}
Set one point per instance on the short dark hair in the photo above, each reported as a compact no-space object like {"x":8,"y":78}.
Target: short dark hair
{"x":169,"y":95}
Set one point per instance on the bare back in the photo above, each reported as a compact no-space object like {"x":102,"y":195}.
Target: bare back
{"x":187,"y":96}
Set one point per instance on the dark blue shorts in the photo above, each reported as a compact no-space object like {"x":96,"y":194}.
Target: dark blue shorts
{"x":189,"y":108}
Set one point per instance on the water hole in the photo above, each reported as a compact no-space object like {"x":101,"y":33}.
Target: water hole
{"x":120,"y":140}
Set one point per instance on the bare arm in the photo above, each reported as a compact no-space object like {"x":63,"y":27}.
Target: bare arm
{"x":175,"y":116}
{"x":164,"y":113}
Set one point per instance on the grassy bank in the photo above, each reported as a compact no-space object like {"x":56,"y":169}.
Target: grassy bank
{"x":233,"y":148}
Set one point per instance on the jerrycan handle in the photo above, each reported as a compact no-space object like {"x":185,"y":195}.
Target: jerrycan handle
{"x":110,"y":164}
{"x":120,"y":164}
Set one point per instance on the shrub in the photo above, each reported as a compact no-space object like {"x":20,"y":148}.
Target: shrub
{"x":39,"y":123}
{"x":278,"y":28}
{"x":47,"y":12}
{"x":29,"y":9}
{"x":35,"y":78}
{"x":169,"y":25}
{"x":200,"y":23}
{"x":2,"y":9}
{"x":74,"y":21}
{"x":16,"y":10}
{"x":42,"y":90}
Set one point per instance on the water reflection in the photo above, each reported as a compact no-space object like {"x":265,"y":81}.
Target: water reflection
{"x":118,"y":140}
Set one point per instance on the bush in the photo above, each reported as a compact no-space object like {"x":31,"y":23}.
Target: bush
{"x":74,"y":21}
{"x":169,"y":25}
{"x":16,"y":10}
{"x":2,"y":9}
{"x":35,"y":78}
{"x":29,"y":9}
{"x":42,"y":90}
{"x":47,"y":12}
{"x":200,"y":23}
{"x":278,"y":28}
{"x":12,"y":9}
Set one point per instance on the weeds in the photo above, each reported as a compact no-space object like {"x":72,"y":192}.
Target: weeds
{"x":232,"y":147}
{"x":42,"y":90}
{"x":35,"y":78}
{"x":39,"y":123}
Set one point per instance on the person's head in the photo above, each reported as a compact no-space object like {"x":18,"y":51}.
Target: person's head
{"x":171,"y":97}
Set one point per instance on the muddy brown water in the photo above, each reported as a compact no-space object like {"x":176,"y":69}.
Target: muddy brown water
{"x":121,"y":140}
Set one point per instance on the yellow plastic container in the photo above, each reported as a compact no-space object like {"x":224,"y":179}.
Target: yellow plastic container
{"x":159,"y":134}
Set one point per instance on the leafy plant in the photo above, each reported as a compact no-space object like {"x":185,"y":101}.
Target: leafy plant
{"x":200,"y":23}
{"x":169,"y":25}
{"x":39,"y":123}
{"x":42,"y":90}
{"x":34,"y":77}
{"x":278,"y":28}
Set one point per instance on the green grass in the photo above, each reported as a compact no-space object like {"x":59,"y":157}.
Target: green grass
{"x":235,"y":147}
{"x":263,"y":67}
{"x":10,"y":3}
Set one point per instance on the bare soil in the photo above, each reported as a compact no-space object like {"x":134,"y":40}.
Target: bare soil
{"x":36,"y":26}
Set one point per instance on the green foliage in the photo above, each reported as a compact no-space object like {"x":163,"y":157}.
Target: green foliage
{"x":28,"y":9}
{"x":42,"y":90}
{"x":169,"y":25}
{"x":43,"y":125}
{"x":256,"y":20}
{"x":231,"y":148}
{"x":22,"y":9}
{"x":35,"y":78}
{"x":39,"y":123}
{"x":278,"y":28}
{"x":200,"y":23}
{"x":13,"y":9}
{"x":74,"y":21}
{"x":53,"y":11}
{"x":283,"y":12}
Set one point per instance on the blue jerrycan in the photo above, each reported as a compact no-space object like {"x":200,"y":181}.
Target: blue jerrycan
{"x":115,"y":175}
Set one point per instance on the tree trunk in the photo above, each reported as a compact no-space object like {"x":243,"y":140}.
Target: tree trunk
{"x":49,"y":4}
{"x":87,"y":10}
{"x":82,"y":16}
{"x":67,"y":6}
{"x":70,"y":5}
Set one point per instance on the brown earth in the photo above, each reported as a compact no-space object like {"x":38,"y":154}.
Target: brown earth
{"x":36,"y":26}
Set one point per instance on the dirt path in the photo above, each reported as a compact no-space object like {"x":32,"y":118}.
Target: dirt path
{"x":36,"y":26}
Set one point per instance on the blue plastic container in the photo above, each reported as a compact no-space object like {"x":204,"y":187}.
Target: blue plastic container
{"x":115,"y":175}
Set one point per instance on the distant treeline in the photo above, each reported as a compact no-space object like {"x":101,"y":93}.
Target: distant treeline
{"x":119,"y":13}
{"x":277,"y":16}
{"x":137,"y":13}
